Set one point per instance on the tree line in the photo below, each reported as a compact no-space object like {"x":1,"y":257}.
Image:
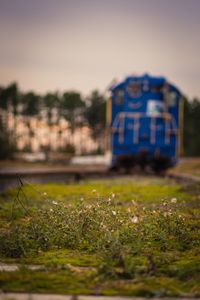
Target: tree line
{"x":191,"y":127}
{"x":78,"y":111}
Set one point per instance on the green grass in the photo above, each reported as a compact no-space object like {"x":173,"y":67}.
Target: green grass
{"x":138,"y":236}
{"x":140,"y":189}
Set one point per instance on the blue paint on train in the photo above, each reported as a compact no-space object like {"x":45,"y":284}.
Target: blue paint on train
{"x":145,"y":122}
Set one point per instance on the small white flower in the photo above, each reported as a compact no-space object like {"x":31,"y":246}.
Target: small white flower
{"x":134,"y":202}
{"x":114,"y":212}
{"x":54,"y":202}
{"x":51,"y":210}
{"x":173,"y":200}
{"x":81,"y":198}
{"x":44,"y":194}
{"x":113,"y":195}
{"x":134,"y":219}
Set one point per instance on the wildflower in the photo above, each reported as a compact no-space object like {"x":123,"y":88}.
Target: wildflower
{"x":134,"y":219}
{"x":114,"y":212}
{"x":94,"y":191}
{"x":173,"y":200}
{"x":54,"y":202}
{"x":113,"y":195}
{"x":51,"y":210}
{"x":81,"y":198}
{"x":167,"y":214}
{"x":44,"y":194}
{"x":134,"y":202}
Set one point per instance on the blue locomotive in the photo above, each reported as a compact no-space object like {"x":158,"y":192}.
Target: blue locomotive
{"x":145,"y":122}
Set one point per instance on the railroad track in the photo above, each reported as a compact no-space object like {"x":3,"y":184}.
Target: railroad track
{"x":11,"y":177}
{"x":183,"y":177}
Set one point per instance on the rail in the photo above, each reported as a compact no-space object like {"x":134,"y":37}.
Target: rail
{"x":10,"y":178}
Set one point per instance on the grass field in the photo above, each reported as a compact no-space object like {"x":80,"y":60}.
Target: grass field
{"x":127,"y":236}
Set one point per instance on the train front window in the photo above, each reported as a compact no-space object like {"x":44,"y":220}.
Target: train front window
{"x":171,"y":99}
{"x":157,"y":89}
{"x":119,"y":97}
{"x":134,"y":89}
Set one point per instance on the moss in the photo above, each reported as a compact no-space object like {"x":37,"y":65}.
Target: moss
{"x":62,"y":281}
{"x":62,"y":257}
{"x":185,"y":267}
{"x":150,"y":287}
{"x":65,"y":282}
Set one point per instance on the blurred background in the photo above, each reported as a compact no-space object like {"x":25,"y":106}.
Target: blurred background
{"x":59,"y":58}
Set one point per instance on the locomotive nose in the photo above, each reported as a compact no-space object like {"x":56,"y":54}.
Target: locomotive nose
{"x":145,"y":122}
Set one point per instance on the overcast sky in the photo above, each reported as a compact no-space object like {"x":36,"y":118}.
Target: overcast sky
{"x":48,"y":45}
